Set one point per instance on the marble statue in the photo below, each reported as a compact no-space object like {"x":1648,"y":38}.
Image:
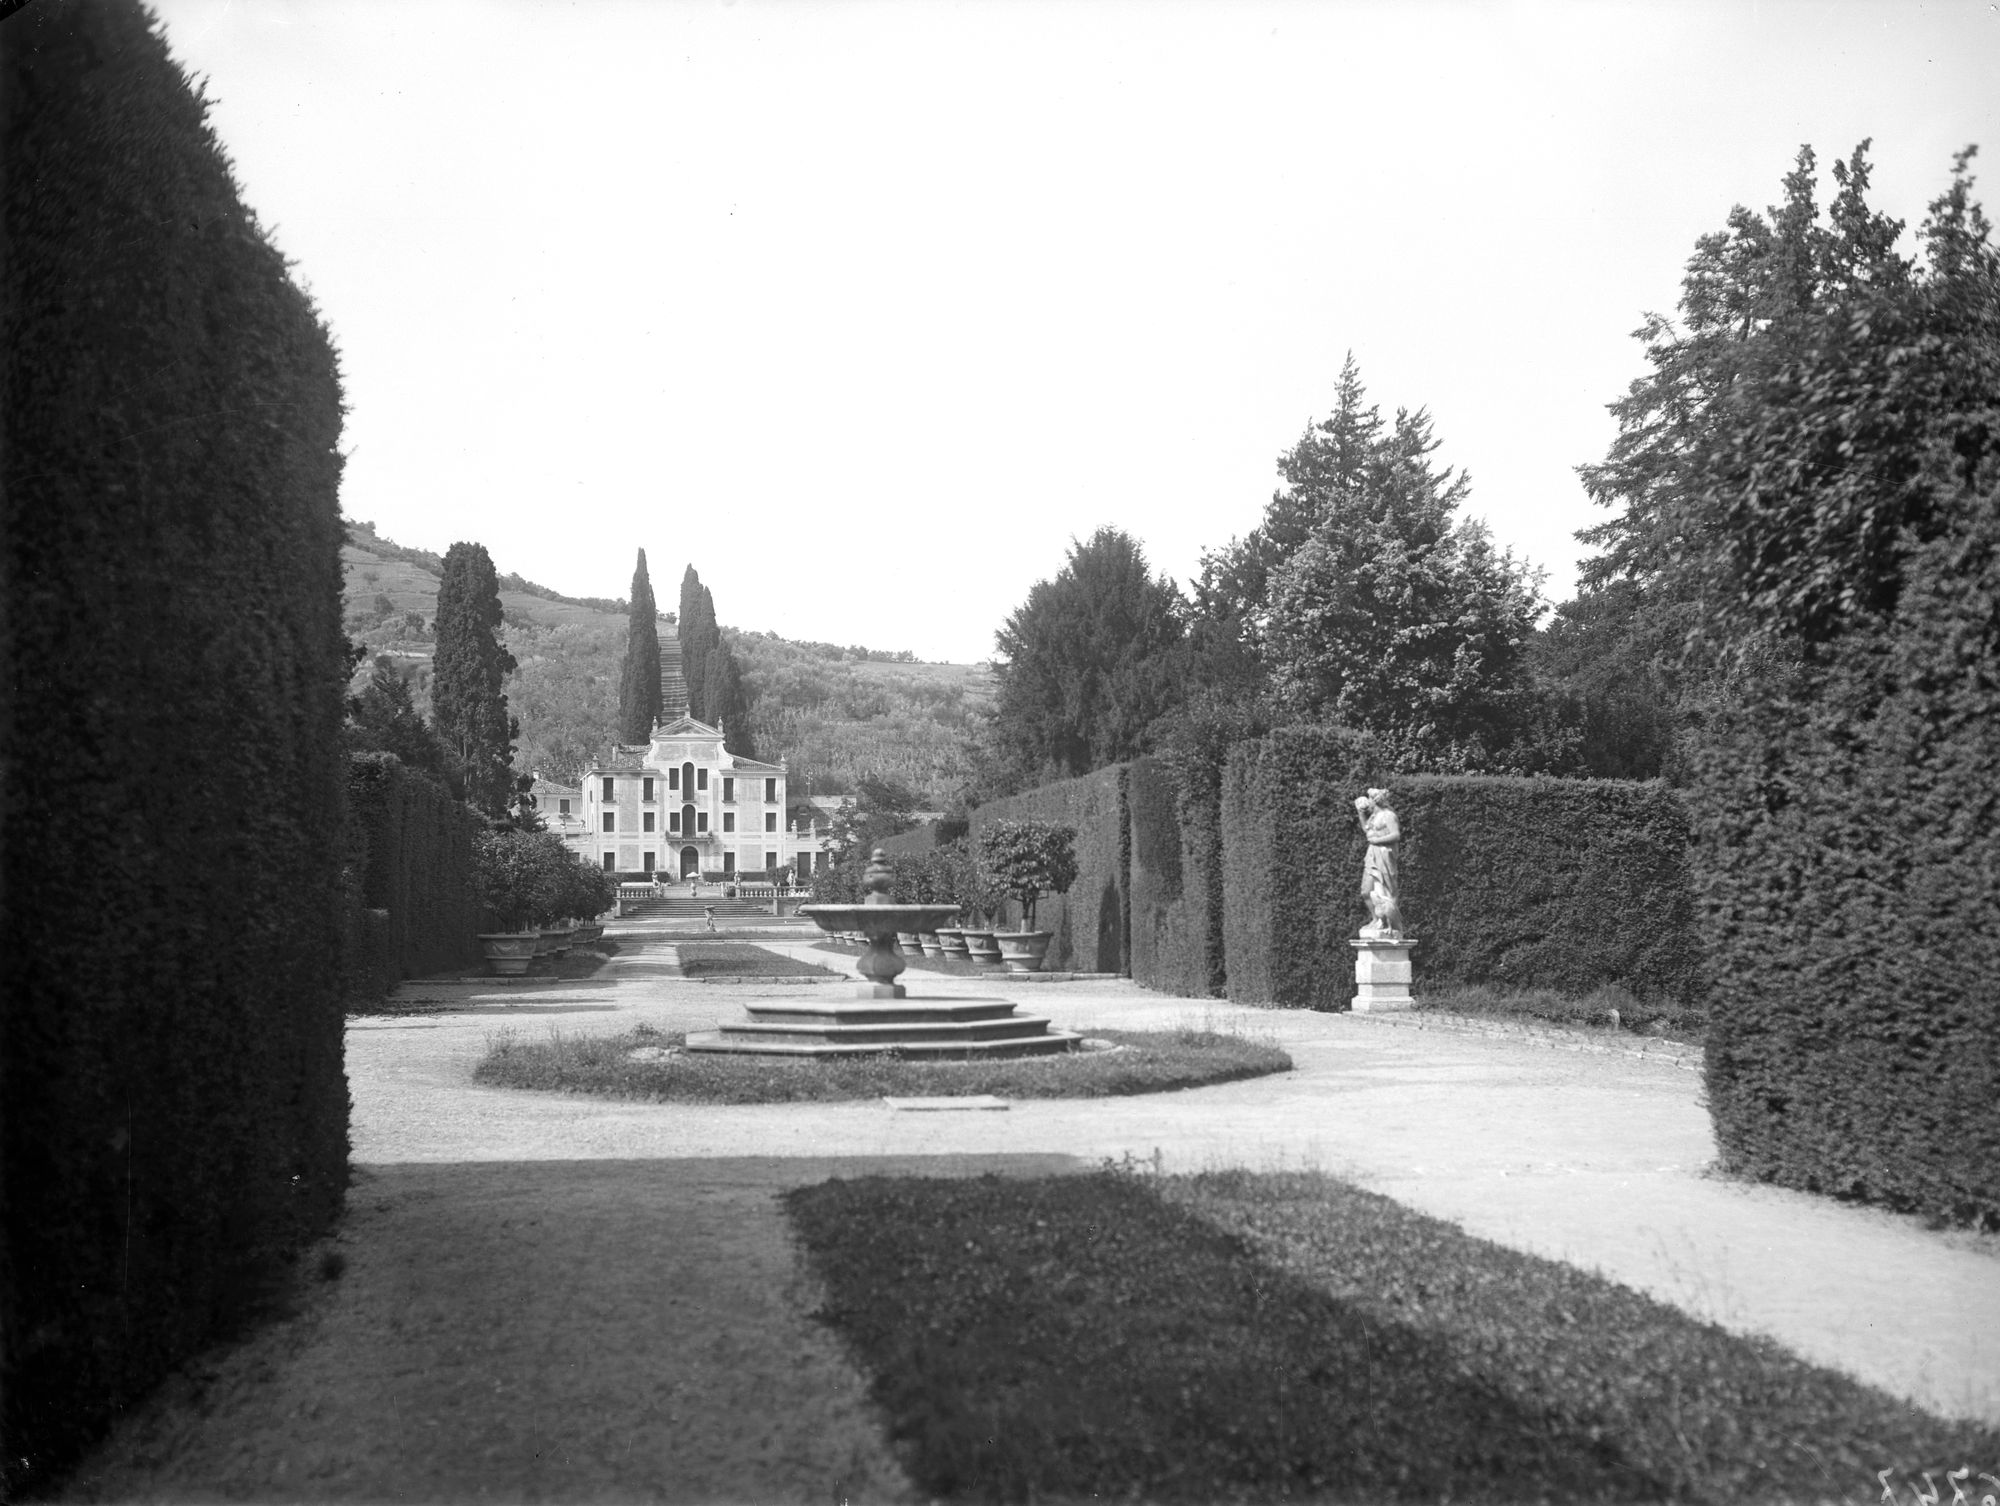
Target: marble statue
{"x":1378,"y":872}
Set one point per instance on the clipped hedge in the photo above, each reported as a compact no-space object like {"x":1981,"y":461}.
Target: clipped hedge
{"x":414,"y":861}
{"x":1177,"y":900}
{"x":1849,"y":833}
{"x":170,"y":738}
{"x":1518,"y":883}
{"x":1092,"y":921}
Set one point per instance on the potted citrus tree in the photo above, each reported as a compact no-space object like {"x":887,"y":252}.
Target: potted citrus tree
{"x":1025,"y":859}
{"x":511,"y":876}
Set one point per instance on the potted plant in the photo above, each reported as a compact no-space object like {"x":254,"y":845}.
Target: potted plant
{"x":529,"y":881}
{"x":1026,"y":859}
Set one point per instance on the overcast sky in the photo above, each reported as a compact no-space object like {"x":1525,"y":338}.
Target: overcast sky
{"x":867,"y":309}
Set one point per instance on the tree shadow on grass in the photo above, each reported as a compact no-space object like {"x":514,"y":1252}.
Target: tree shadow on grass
{"x":1082,"y":1337}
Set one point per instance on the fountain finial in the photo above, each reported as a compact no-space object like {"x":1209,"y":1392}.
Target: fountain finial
{"x":878,"y":878}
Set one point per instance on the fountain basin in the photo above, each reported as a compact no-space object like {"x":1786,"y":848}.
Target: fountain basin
{"x":880,"y":964}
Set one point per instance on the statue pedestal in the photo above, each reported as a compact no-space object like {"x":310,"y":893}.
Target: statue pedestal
{"x":1382,"y":973}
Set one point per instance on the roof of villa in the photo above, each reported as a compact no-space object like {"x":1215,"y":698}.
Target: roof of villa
{"x":686,"y":726}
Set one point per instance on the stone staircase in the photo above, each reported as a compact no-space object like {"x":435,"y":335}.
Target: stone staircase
{"x":941,"y":1029}
{"x":680,"y":907}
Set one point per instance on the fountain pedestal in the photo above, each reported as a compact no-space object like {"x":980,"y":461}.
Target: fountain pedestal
{"x":884,"y":1025}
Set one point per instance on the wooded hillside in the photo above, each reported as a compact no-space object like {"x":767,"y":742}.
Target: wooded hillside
{"x":833,"y":714}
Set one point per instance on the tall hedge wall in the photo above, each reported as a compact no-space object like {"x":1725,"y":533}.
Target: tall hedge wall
{"x":175,"y":1109}
{"x":414,"y":862}
{"x":1177,"y":900}
{"x":1850,"y":839}
{"x":1560,"y":884}
{"x":1092,"y":921}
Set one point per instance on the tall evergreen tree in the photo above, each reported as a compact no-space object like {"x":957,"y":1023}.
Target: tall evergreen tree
{"x":639,"y":685}
{"x":468,"y":706}
{"x":1090,"y":659}
{"x":694,"y":632}
{"x":731,"y":711}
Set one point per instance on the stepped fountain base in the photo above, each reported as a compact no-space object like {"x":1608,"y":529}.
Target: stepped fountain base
{"x":937,"y":1029}
{"x":882,"y":1020}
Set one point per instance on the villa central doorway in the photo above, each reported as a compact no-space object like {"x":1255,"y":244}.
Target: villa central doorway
{"x":690,"y":862}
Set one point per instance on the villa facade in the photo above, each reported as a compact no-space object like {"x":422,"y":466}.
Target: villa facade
{"x":682,"y":805}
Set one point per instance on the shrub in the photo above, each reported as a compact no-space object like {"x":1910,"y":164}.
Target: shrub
{"x":1028,"y":858}
{"x":530,"y":879}
{"x":1520,"y":883}
{"x":170,"y":1051}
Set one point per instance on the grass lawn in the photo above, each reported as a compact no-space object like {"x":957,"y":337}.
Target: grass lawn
{"x":741,"y":959}
{"x":1244,"y":1337}
{"x":1591,"y":1011}
{"x":1151,"y":1062}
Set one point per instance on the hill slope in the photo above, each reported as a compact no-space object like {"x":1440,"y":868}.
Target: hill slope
{"x":832,"y":716}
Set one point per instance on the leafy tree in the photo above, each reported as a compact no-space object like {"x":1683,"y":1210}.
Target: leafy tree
{"x":1089,"y":660}
{"x":530,"y":879}
{"x":1636,"y":654}
{"x":639,"y":683}
{"x":1027,"y":858}
{"x":468,"y":706}
{"x":383,"y":718}
{"x":878,"y":809}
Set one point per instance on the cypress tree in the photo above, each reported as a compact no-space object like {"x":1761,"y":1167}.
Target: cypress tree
{"x":468,"y":707}
{"x":694,"y":643}
{"x":639,"y":685}
{"x":732,"y":711}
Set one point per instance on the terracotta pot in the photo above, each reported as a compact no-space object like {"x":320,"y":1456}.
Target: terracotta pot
{"x":558,"y":941}
{"x":951,"y":941}
{"x":508,"y":953}
{"x":932,"y":943}
{"x":984,"y":949}
{"x":1023,"y":951}
{"x":908,"y":944}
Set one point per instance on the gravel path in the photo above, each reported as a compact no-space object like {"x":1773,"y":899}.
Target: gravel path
{"x":564,"y":1298}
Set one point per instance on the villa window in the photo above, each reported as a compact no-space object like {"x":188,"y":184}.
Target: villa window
{"x":701,"y":779}
{"x":610,"y":821}
{"x":562,"y":807}
{"x":770,"y":820}
{"x":646,"y":821}
{"x":673,"y":779}
{"x":647,"y":862}
{"x":729,"y":820}
{"x":610,"y":792}
{"x":729,"y":862}
{"x":610,"y":863}
{"x":646,"y":792}
{"x":770,"y":792}
{"x":728,"y":791}
{"x":770,"y":861}
{"x":701,"y":823}
{"x":673,"y":820}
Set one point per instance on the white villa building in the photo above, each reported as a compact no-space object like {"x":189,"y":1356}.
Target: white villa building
{"x":682,"y":805}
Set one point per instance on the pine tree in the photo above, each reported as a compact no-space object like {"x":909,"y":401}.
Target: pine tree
{"x":468,"y":706}
{"x":639,"y":684}
{"x":1090,"y":659}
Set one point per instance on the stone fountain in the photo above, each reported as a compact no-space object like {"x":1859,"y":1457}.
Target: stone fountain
{"x":882,"y":1020}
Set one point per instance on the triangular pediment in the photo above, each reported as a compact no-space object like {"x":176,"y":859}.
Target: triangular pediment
{"x":685,"y":726}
